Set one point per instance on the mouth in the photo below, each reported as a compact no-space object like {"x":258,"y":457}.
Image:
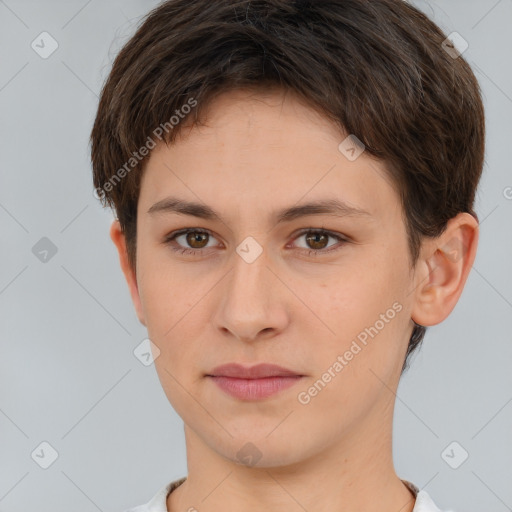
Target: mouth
{"x":255,"y":382}
{"x":259,"y":371}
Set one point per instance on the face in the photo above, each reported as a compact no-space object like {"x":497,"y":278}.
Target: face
{"x":323,"y":293}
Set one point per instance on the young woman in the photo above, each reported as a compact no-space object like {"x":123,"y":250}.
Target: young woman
{"x":294,"y":185}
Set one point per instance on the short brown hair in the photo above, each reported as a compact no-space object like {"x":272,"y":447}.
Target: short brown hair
{"x":378,"y":69}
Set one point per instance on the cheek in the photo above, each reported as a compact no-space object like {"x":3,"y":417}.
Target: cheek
{"x":364,"y":310}
{"x":163,"y":293}
{"x":175,"y":317}
{"x":173,"y":325}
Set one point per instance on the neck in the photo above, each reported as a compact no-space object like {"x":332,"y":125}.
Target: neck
{"x":356,"y":474}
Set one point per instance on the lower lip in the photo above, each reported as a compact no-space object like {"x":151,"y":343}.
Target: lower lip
{"x":254,"y":389}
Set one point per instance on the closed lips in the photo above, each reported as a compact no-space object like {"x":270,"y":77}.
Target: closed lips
{"x":260,"y":371}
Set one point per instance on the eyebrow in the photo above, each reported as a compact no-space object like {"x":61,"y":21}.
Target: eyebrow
{"x":334,"y":207}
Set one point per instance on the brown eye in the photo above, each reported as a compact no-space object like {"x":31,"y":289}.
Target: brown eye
{"x":189,"y":241}
{"x":196,"y":239}
{"x":317,"y":240}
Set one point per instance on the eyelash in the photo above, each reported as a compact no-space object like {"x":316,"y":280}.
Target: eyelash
{"x":310,"y":252}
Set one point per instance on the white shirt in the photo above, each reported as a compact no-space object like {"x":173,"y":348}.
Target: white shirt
{"x":158,"y":503}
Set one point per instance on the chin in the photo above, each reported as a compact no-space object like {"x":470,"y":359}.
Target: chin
{"x":264,"y":453}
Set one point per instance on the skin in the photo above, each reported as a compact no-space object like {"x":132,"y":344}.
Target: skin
{"x":256,"y":153}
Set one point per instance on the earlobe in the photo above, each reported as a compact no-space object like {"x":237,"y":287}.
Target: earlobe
{"x":117,"y":236}
{"x":442,"y":270}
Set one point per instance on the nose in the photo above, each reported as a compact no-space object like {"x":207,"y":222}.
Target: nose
{"x":253,"y":302}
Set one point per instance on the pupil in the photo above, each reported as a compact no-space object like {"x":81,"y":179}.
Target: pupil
{"x":313,"y":238}
{"x":196,"y":237}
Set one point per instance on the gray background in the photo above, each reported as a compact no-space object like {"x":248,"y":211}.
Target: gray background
{"x":68,"y":374}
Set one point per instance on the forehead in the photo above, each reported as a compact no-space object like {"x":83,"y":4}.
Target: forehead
{"x":261,"y":149}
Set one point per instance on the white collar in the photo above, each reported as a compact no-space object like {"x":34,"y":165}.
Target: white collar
{"x":158,"y":502}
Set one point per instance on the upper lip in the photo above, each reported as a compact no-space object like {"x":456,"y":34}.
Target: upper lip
{"x":252,"y":372}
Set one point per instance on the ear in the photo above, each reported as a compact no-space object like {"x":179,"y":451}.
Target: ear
{"x":442,"y":270}
{"x":117,"y":236}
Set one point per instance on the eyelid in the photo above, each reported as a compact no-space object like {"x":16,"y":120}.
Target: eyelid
{"x":338,"y":236}
{"x":168,"y":239}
